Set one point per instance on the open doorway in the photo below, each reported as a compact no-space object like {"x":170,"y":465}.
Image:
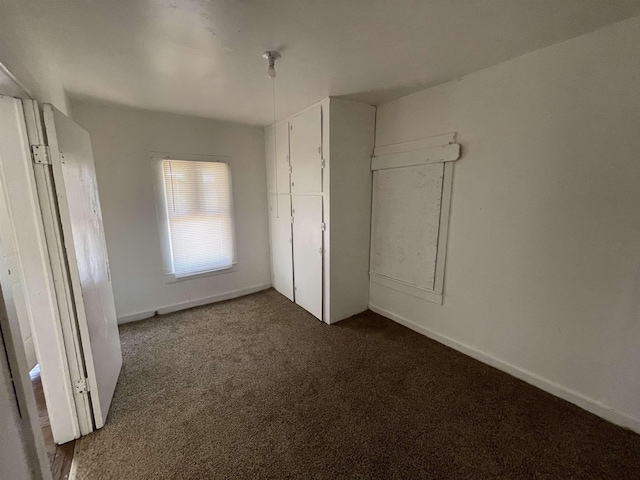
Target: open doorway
{"x":60,"y":456}
{"x":57,"y":275}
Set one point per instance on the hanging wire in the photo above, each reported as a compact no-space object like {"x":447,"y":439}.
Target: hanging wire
{"x":275,"y":142}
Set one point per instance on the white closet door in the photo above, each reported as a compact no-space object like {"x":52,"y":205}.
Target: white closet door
{"x":28,"y":284}
{"x":281,"y":244}
{"x":81,"y":218}
{"x":282,"y":158}
{"x":307,"y":252}
{"x":269,"y":153}
{"x":277,"y":154}
{"x":306,"y":151}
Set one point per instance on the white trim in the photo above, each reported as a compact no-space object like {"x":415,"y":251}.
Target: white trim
{"x":57,"y":258}
{"x":443,"y":227}
{"x":158,"y":156}
{"x":134,"y":317}
{"x":582,"y":401}
{"x":193,"y":303}
{"x":163,"y":218}
{"x":408,"y":288}
{"x":30,"y":278}
{"x":171,"y":278}
{"x":445,"y":153}
{"x":420,"y":144}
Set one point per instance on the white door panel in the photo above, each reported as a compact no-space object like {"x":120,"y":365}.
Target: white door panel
{"x":306,"y":151}
{"x":81,"y":217}
{"x":277,"y":155}
{"x":24,"y":248}
{"x":269,"y":153}
{"x":281,"y":244}
{"x":307,"y":252}
{"x":283,"y":182}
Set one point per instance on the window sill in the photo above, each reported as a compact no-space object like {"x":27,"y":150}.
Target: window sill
{"x":170,"y":278}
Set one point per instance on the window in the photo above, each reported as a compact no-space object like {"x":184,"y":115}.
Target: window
{"x":197,"y":206}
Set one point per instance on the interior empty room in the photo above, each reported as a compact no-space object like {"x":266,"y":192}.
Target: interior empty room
{"x":303,"y":239}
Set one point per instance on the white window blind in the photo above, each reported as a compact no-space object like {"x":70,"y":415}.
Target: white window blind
{"x":199,"y":211}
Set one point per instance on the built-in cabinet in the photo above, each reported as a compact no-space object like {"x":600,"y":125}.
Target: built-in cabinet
{"x":319,"y":186}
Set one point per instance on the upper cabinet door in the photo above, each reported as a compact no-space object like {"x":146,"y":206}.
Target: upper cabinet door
{"x":282,"y":158}
{"x":269,"y":153}
{"x":305,"y":136}
{"x":81,"y":218}
{"x":277,"y":155}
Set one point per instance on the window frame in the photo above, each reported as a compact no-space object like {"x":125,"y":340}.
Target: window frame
{"x":163,"y":219}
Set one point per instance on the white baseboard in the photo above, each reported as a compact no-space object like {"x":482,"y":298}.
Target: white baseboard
{"x":136,"y":316}
{"x":193,"y":303}
{"x":567,"y":394}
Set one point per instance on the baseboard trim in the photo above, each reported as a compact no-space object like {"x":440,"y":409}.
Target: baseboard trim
{"x":136,"y":316}
{"x":193,"y":303}
{"x":553,"y":388}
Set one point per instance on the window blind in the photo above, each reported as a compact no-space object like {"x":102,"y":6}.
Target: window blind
{"x":199,"y":216}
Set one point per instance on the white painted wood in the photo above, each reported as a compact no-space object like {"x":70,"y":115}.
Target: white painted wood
{"x":270,"y":159}
{"x":446,"y":153}
{"x":23,"y":453}
{"x":62,"y":284}
{"x":281,"y":244}
{"x":136,"y":317}
{"x":404,"y":287}
{"x":305,"y":149}
{"x":443,"y":230}
{"x":24,"y":250}
{"x":307,"y":252}
{"x":283,"y":181}
{"x":347,"y":132}
{"x":326,"y":211}
{"x":406,"y":205}
{"x":79,"y":205}
{"x":277,"y":158}
{"x":420,"y":144}
{"x":348,"y":234}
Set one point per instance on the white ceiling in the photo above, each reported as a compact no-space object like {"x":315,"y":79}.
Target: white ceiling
{"x":203,"y":57}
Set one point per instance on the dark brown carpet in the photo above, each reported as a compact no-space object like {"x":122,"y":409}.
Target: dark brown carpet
{"x":257,"y":388}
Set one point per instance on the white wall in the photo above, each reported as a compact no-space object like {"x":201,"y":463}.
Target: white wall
{"x":122,"y":140}
{"x":543,"y":267}
{"x":19,"y":65}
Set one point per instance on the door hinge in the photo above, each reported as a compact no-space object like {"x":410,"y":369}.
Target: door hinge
{"x":292,"y":219}
{"x":41,"y":154}
{"x":322,"y":163}
{"x":324,"y":226}
{"x":81,"y":385}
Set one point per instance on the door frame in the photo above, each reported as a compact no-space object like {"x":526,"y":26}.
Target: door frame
{"x":45,"y":187}
{"x":31,"y":281}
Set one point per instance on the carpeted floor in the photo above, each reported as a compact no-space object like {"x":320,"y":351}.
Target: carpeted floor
{"x":257,"y":388}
